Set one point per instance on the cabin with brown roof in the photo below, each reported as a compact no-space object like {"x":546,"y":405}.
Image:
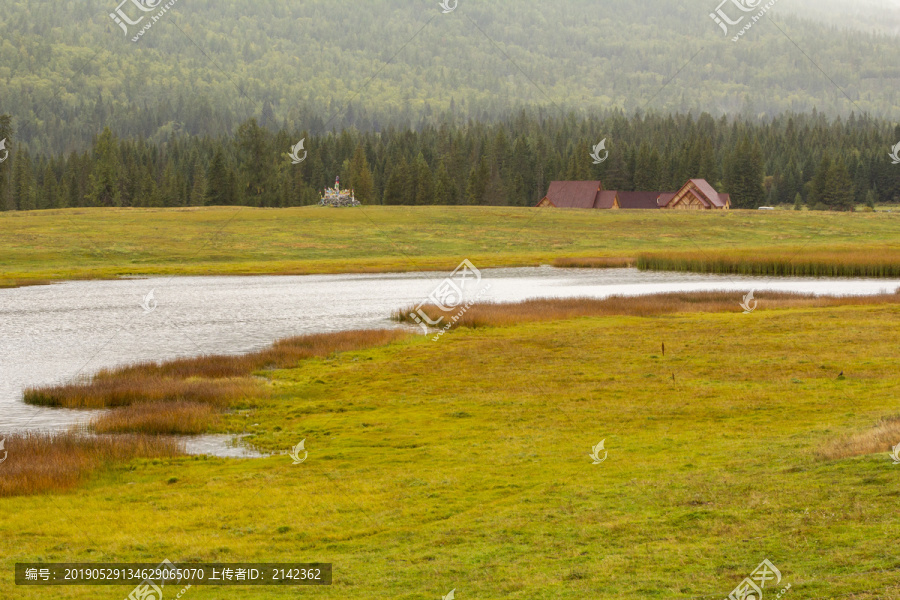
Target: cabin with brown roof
{"x":696,"y":194}
{"x":573,"y":194}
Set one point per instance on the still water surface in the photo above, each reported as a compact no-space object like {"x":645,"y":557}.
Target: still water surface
{"x":55,"y":333}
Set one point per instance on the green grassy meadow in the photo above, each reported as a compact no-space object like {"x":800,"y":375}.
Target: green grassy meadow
{"x":463,"y":464}
{"x":41,"y":246}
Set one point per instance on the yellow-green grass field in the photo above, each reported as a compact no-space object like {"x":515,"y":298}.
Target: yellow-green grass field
{"x":41,"y":246}
{"x":463,"y":464}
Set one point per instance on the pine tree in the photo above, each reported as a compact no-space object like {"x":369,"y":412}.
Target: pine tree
{"x":744,"y":175}
{"x":217,"y":192}
{"x":361,"y":176}
{"x":72,"y":191}
{"x":444,"y":189}
{"x":255,"y":157}
{"x":839,"y":194}
{"x":198,"y":189}
{"x":49,"y":189}
{"x":424,"y":182}
{"x":396,"y":184}
{"x":754,"y":176}
{"x":818,"y":186}
{"x":23,"y":182}
{"x":146,"y":190}
{"x":870,"y":199}
{"x":646,"y":170}
{"x":103,"y":186}
{"x":478,"y":183}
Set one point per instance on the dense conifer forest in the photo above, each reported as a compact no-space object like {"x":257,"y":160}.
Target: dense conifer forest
{"x":793,"y":159}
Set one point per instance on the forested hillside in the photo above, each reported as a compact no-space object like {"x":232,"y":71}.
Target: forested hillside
{"x":803,"y":159}
{"x":67,"y":70}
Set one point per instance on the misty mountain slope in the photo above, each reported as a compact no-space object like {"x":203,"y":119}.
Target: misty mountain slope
{"x":67,"y":70}
{"x":882,"y":16}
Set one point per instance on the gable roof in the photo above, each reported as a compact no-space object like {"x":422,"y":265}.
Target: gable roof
{"x":574,"y":194}
{"x":707,"y":190}
{"x":639,"y":199}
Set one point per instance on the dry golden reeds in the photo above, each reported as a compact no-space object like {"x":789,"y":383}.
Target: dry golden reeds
{"x":112,"y":390}
{"x":38,"y":463}
{"x":605,"y":262}
{"x":491,"y":314}
{"x":834,"y":262}
{"x":158,"y":418}
{"x":881,"y":438}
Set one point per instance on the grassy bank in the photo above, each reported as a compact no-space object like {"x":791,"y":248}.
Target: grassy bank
{"x":43,"y":246}
{"x":463,"y":464}
{"x":217,"y":380}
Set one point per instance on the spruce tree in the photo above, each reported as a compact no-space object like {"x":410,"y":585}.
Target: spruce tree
{"x":479,"y":178}
{"x":424,"y":182}
{"x":23,"y":182}
{"x":396,"y":183}
{"x":839,"y":194}
{"x":818,"y":186}
{"x":361,"y":176}
{"x":444,"y":189}
{"x":217,"y":193}
{"x":103,"y":186}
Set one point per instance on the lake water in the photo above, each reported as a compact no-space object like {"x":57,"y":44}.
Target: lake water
{"x":55,"y":333}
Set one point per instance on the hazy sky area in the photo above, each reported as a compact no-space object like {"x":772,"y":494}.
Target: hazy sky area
{"x":866,"y":15}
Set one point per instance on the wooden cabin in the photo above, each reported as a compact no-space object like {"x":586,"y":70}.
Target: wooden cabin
{"x":696,"y":194}
{"x":573,"y":194}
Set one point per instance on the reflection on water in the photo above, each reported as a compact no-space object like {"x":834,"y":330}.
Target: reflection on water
{"x":55,"y":333}
{"x":224,"y":445}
